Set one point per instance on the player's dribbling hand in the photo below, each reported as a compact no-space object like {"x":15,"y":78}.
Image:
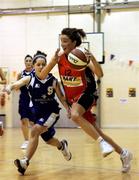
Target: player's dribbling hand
{"x":88,"y":54}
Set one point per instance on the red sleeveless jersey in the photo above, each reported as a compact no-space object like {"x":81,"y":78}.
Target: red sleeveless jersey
{"x":74,"y":82}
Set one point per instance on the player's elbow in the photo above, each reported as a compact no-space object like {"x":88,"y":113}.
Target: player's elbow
{"x":99,"y":74}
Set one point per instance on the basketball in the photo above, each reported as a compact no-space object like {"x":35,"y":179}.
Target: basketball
{"x":77,"y":58}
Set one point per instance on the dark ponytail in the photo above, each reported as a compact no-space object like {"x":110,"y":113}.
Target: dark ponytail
{"x":74,"y":34}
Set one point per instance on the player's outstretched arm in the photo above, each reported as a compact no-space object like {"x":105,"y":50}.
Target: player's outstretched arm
{"x":17,"y":85}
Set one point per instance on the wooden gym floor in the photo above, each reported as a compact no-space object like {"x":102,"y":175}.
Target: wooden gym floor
{"x":86,"y":164}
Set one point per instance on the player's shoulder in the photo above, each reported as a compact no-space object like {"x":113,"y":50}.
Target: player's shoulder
{"x":51,"y":76}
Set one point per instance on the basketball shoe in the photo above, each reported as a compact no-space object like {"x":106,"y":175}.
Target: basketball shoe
{"x":126,"y":158}
{"x":106,"y":148}
{"x":65,"y":151}
{"x":21,"y":165}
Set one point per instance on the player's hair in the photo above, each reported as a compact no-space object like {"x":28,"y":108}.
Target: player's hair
{"x":39,"y":54}
{"x":74,"y":34}
{"x":28,"y":56}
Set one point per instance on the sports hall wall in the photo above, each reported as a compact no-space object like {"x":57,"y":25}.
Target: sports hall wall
{"x":22,"y":34}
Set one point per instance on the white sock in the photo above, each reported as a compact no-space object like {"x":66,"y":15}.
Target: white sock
{"x":25,"y":158}
{"x":123,"y":153}
{"x":99,"y":139}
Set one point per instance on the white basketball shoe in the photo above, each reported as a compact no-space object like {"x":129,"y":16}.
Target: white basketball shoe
{"x":21,"y":165}
{"x":126,"y":158}
{"x":65,"y":151}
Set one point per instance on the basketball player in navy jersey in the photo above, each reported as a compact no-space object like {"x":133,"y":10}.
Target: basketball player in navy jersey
{"x":24,"y":100}
{"x":45,"y":110}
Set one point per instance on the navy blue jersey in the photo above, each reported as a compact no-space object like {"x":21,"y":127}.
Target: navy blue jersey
{"x":42,"y":94}
{"x":24,"y":99}
{"x":24,"y":96}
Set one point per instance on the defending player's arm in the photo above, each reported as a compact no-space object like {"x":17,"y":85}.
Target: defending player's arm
{"x":62,"y":98}
{"x":18,"y":84}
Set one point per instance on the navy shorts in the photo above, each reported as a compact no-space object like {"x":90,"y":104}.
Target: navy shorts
{"x":46,"y":118}
{"x":87,"y":99}
{"x":46,"y":136}
{"x":23,"y":108}
{"x":25,"y":111}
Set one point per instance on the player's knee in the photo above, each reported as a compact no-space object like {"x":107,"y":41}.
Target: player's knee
{"x":34,"y":131}
{"x":75,"y":116}
{"x":24,"y":122}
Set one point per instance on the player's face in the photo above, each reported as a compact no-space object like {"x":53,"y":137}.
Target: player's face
{"x":67,"y":44}
{"x":28,"y":62}
{"x":39,"y":65}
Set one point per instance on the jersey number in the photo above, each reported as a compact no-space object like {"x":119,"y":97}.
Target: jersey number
{"x":50,"y":90}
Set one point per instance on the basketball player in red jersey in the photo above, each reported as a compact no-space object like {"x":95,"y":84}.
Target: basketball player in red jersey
{"x":80,"y":92}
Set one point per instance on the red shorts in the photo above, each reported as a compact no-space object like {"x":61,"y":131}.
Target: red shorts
{"x":89,"y":117}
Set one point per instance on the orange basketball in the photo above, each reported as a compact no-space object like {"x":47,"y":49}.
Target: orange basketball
{"x":77,"y":58}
